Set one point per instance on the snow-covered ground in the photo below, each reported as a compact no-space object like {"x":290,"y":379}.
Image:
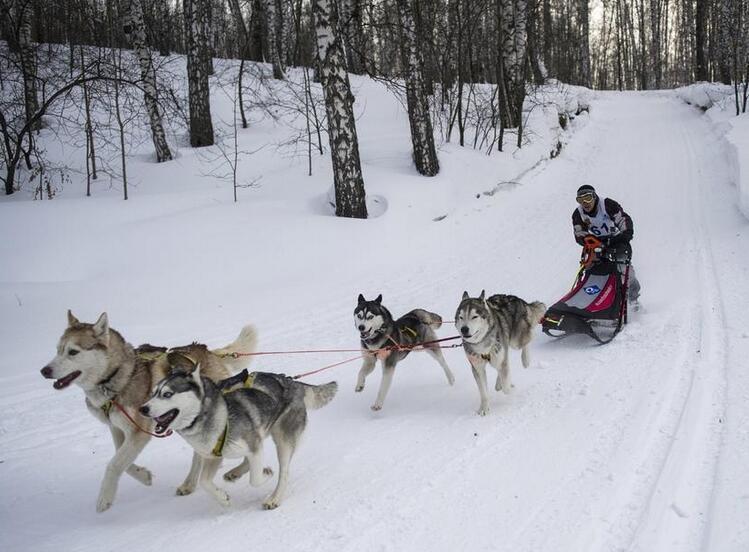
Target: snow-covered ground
{"x":637,"y":445}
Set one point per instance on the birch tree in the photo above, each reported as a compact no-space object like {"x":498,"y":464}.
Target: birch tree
{"x":512,"y":36}
{"x":23,"y":12}
{"x":201,"y":124}
{"x":422,"y":137}
{"x":344,"y":146}
{"x":136,"y":28}
{"x":272,"y":22}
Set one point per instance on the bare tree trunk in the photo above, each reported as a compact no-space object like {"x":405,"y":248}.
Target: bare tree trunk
{"x":351,"y":19}
{"x":548,"y":34}
{"x":700,"y":24}
{"x":90,"y":148}
{"x":118,"y":115}
{"x":725,"y":26}
{"x":271,"y":24}
{"x":655,"y":41}
{"x":28,"y":59}
{"x":584,"y":12}
{"x":513,"y":44}
{"x":201,"y":123}
{"x":422,"y":136}
{"x":137,"y":29}
{"x":344,"y":146}
{"x":244,"y":51}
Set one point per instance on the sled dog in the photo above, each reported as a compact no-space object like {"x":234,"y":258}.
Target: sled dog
{"x":489,"y":327}
{"x":378,"y":331}
{"x":220,"y":420}
{"x":114,"y":375}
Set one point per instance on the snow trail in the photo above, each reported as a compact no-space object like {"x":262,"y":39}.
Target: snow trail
{"x":598,"y":448}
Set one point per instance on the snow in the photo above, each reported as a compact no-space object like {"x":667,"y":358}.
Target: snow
{"x":637,"y":445}
{"x":719,"y":102}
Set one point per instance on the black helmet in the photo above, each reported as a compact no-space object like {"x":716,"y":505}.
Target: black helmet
{"x":585,"y":189}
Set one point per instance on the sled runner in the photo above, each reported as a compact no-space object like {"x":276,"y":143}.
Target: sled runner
{"x":597,"y":303}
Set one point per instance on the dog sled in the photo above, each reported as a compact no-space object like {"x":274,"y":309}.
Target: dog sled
{"x":597,"y":303}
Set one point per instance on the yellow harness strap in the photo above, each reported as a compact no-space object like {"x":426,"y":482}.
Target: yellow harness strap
{"x":106,"y":408}
{"x":219,"y":448}
{"x":248,"y":382}
{"x":411,"y":331}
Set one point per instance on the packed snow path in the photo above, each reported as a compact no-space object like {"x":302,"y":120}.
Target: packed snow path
{"x":637,"y":445}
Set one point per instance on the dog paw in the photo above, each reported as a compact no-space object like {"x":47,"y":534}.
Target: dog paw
{"x":498,"y":386}
{"x":268,"y":471}
{"x":271,"y":504}
{"x":141,"y":475}
{"x":104,"y":503}
{"x":184,"y":490}
{"x":483,"y":411}
{"x":376,"y":407}
{"x":223,"y":498}
{"x":359,"y":388}
{"x":451,"y":379}
{"x":232,"y":476}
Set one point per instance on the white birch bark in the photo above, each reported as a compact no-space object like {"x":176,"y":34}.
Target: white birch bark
{"x":513,"y":44}
{"x":201,"y":124}
{"x":271,"y":23}
{"x":422,"y":137}
{"x":344,"y":145}
{"x":137,"y":28}
{"x":28,"y":58}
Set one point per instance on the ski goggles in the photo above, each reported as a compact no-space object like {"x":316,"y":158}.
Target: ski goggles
{"x":587,"y":197}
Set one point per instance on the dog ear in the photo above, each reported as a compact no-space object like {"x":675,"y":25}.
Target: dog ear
{"x":379,"y":299}
{"x":465,"y":296}
{"x":196,"y":376}
{"x":101,"y":328}
{"x":483,"y":293}
{"x":361,"y":299}
{"x":180,"y":363}
{"x":72,"y":320}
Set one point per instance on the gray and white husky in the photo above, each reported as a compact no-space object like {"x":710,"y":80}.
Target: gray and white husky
{"x":114,"y":375}
{"x":391,"y":340}
{"x":489,"y":327}
{"x":219,"y":422}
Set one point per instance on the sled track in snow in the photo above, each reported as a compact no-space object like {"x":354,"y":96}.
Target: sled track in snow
{"x":677,"y":510}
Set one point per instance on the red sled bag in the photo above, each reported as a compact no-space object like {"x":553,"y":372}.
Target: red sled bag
{"x":596,"y":305}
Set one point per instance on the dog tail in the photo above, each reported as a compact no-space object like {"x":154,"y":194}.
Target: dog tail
{"x":246,"y":342}
{"x":536,"y":310}
{"x":317,"y":396}
{"x":432,"y":320}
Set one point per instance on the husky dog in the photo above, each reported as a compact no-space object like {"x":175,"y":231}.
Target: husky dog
{"x":391,"y":341}
{"x":220,"y":420}
{"x":113,"y":375}
{"x":489,"y":327}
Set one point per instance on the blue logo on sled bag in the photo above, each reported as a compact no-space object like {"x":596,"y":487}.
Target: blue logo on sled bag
{"x":592,"y":290}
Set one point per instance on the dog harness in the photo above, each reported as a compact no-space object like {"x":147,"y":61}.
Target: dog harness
{"x":218,"y":449}
{"x":243,"y":380}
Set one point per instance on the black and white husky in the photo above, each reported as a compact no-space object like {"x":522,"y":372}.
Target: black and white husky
{"x":219,"y":422}
{"x":391,"y":341}
{"x":489,"y":327}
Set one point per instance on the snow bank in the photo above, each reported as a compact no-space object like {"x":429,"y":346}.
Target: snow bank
{"x":704,"y":94}
{"x":718,"y":101}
